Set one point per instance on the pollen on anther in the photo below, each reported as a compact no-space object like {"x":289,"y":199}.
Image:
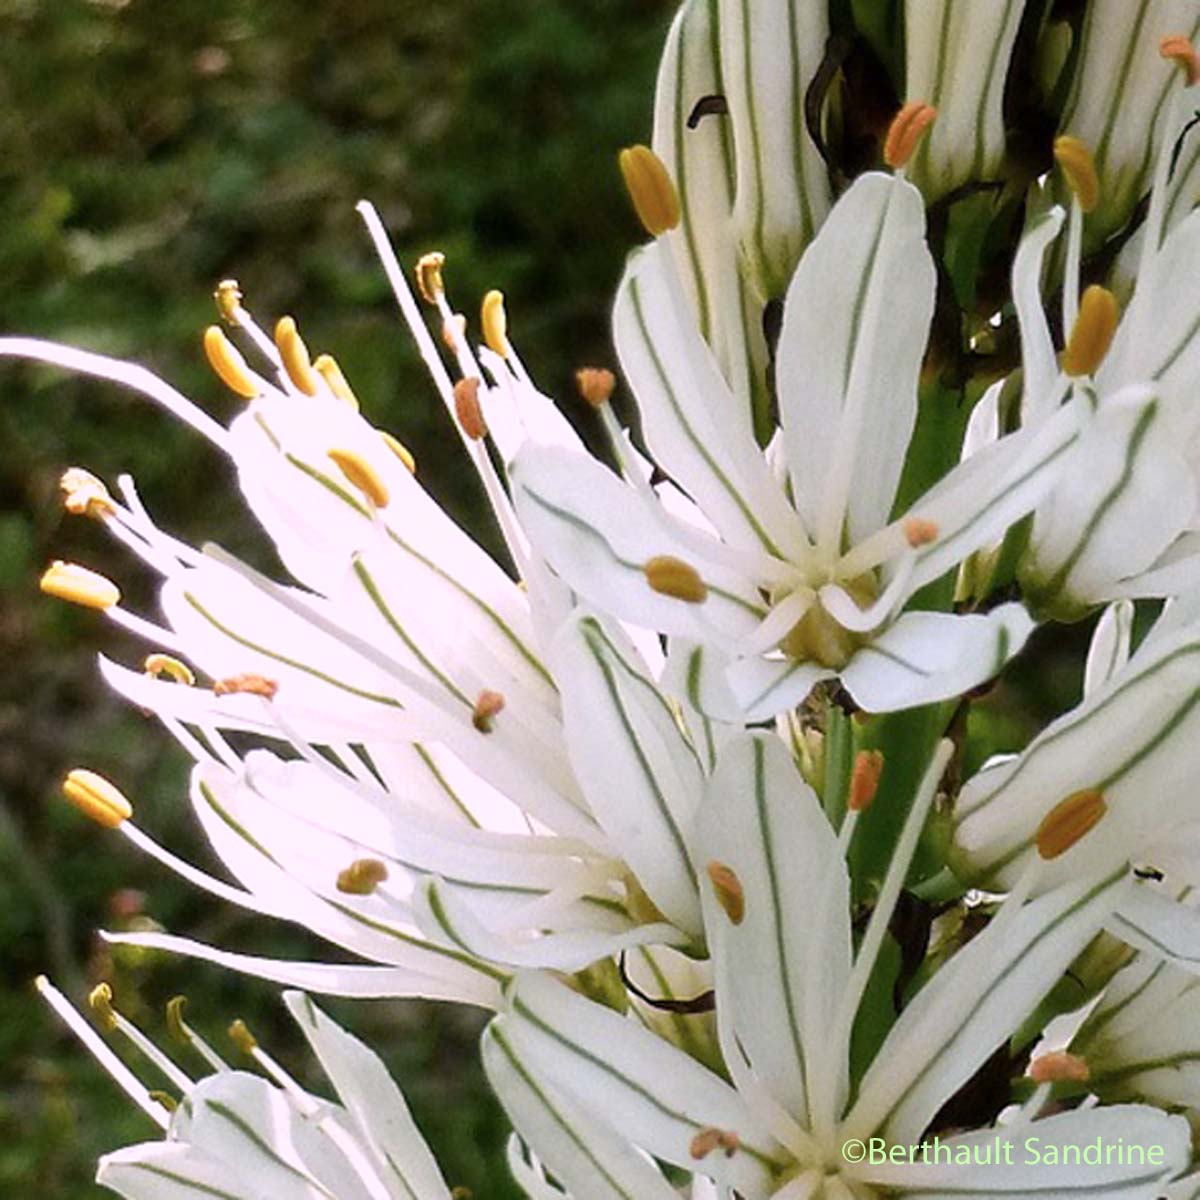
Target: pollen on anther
{"x":165,"y":664}
{"x":671,"y":576}
{"x":919,"y":532}
{"x":294,"y":353}
{"x":1069,"y":821}
{"x":1059,"y":1066}
{"x":727,"y":888}
{"x":651,"y":189}
{"x":246,"y":685}
{"x":429,"y":276}
{"x":864,"y":780}
{"x":488,"y":706}
{"x":468,"y":409}
{"x":494,"y":320}
{"x":1079,"y":168}
{"x":228,"y":364}
{"x":1178,"y":48}
{"x":905,"y":132}
{"x":362,"y":475}
{"x":596,"y":385}
{"x":362,"y":877}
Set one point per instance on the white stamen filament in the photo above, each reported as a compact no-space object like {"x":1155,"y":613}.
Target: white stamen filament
{"x":121,"y":1074}
{"x":779,"y":622}
{"x":150,"y":1051}
{"x":1071,"y":273}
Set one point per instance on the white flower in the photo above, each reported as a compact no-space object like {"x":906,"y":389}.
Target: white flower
{"x":1122,"y":519}
{"x":590,"y":1084}
{"x":804,"y":574}
{"x":241,"y":1136}
{"x":478,"y":776}
{"x":1130,"y":746}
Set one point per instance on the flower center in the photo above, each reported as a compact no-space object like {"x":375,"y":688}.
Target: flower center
{"x":819,"y":637}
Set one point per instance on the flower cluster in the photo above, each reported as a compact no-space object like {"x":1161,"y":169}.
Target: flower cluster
{"x":689,"y":792}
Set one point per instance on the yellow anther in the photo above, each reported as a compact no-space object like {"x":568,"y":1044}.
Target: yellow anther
{"x":1059,"y":1066}
{"x":229,"y":300}
{"x":905,"y":132}
{"x":176,"y":1026}
{"x":670,"y":576}
{"x":710,"y":1139}
{"x":326,"y":366}
{"x":919,"y":532}
{"x":69,"y":581}
{"x":1069,"y":821}
{"x":1079,"y":168}
{"x":163,"y":1099}
{"x":864,"y":780}
{"x":84,"y":495}
{"x":294,"y":353}
{"x":362,"y":475}
{"x":226,"y":360}
{"x":488,"y":706}
{"x":95,"y":797}
{"x":1179,"y":49}
{"x":651,"y":189}
{"x":246,"y":685}
{"x":400,"y":450}
{"x":468,"y":410}
{"x":242,"y":1038}
{"x":362,"y":877}
{"x":727,"y":888}
{"x":429,"y":276}
{"x":494,"y":321}
{"x":100,"y":1000}
{"x":454,"y":332}
{"x":1095,"y":327}
{"x":165,"y":664}
{"x":596,"y":385}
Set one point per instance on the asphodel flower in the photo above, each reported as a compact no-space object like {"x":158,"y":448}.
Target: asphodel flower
{"x":794,"y":1104}
{"x":1122,"y":520}
{"x":243,"y":1134}
{"x":480,"y":775}
{"x":806,"y":570}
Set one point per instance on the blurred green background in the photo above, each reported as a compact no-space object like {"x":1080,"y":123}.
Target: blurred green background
{"x":146,"y":151}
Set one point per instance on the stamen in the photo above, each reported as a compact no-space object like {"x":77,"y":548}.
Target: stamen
{"x":95,"y":797}
{"x":1069,"y":821}
{"x":1079,"y":169}
{"x":919,"y":532}
{"x":905,"y":132}
{"x":229,"y":301}
{"x":362,"y":475}
{"x":670,"y":576}
{"x":84,"y":495}
{"x":165,"y":1099}
{"x":165,"y":664}
{"x":242,"y":1038}
{"x":1059,"y":1066}
{"x":294,"y":353}
{"x":1095,"y":327}
{"x":596,"y":385}
{"x":468,"y":410}
{"x":227,"y":361}
{"x":246,"y":685}
{"x":400,"y":450}
{"x":495,"y":323}
{"x":710,"y":1139}
{"x":1178,"y":49}
{"x":864,"y":779}
{"x":103,"y":1054}
{"x":727,"y":888}
{"x":326,"y":366}
{"x":78,"y":585}
{"x":651,"y":189}
{"x":429,"y":276}
{"x":185,"y":1035}
{"x":362,"y":877}
{"x":488,"y":706}
{"x":100,"y":1002}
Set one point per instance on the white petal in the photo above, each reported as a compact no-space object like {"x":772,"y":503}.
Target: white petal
{"x":787,"y":962}
{"x":973,"y":1004}
{"x":646,"y":1089}
{"x":1109,"y":648}
{"x":928,"y":656}
{"x":641,"y":778}
{"x":763,"y":687}
{"x":1038,"y":360}
{"x":597,"y":533}
{"x":332,"y":979}
{"x":373,"y":1101}
{"x":855,"y":323}
{"x":178,"y":1171}
{"x":593,"y":1161}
